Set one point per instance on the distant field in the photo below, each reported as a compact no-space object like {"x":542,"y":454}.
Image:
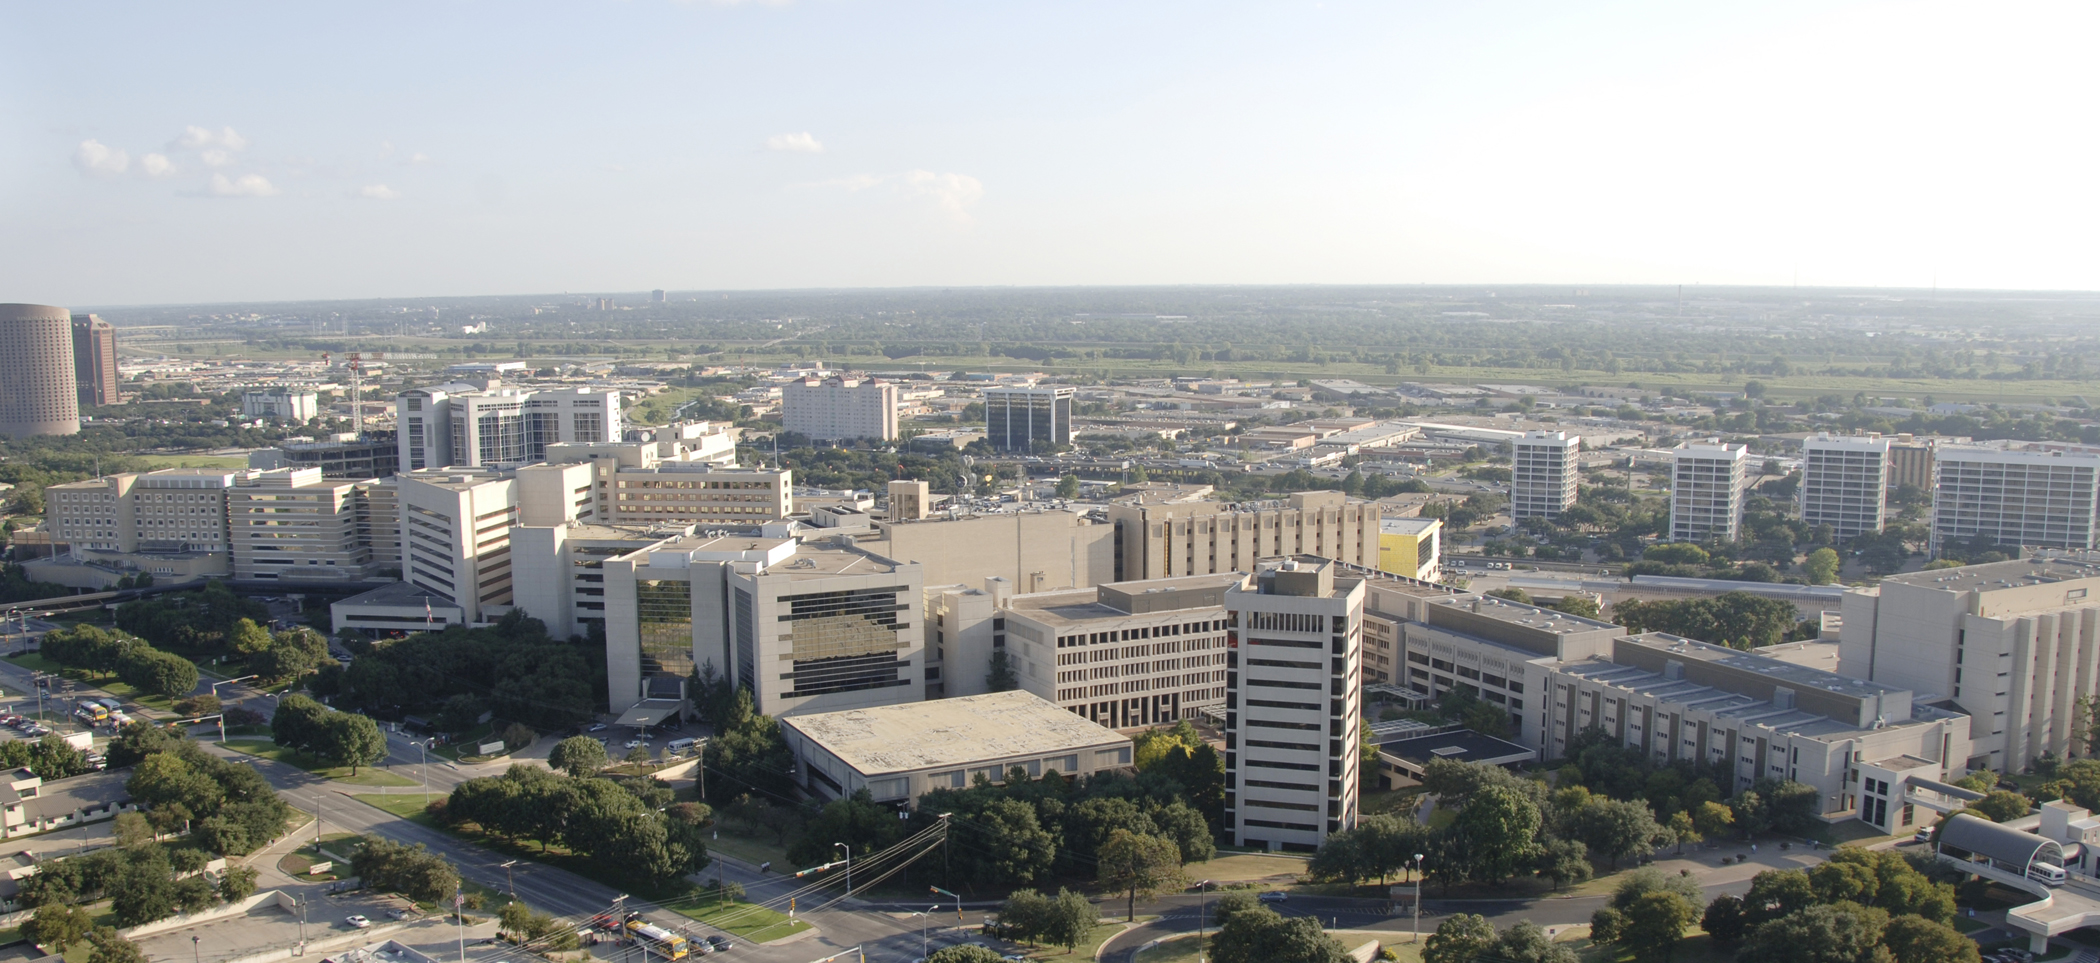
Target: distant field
{"x":229,"y":462}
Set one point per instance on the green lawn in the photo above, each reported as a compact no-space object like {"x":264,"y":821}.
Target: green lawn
{"x":748,"y":920}
{"x":753,"y":851}
{"x":368,"y":776}
{"x":35,"y":662}
{"x":1238,"y":867}
{"x":408,"y":806}
{"x":1089,"y":946}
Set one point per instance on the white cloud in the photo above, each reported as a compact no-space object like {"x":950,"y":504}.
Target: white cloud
{"x":801,"y":143}
{"x":419,"y":158}
{"x":955,"y":193}
{"x":156,"y":165}
{"x":194,"y":137}
{"x":377,"y":192}
{"x":94,"y":158}
{"x":216,"y":158}
{"x":247,"y":185}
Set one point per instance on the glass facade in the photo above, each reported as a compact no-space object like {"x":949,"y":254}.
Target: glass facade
{"x":664,"y":623}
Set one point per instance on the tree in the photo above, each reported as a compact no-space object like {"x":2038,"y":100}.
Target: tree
{"x":1820,"y":566}
{"x":298,"y":722}
{"x":57,"y":926}
{"x":1683,"y":829}
{"x":1001,"y":678}
{"x":2001,"y":805}
{"x":1912,"y":939}
{"x":198,"y":705}
{"x":1458,"y":939}
{"x":1581,"y":605}
{"x":348,"y":739}
{"x":1564,"y":861}
{"x":248,"y":638}
{"x":1263,"y":936}
{"x":1498,"y":825}
{"x":111,"y":948}
{"x":965,"y":953}
{"x":237,"y":883}
{"x":1655,"y":923}
{"x":1712,"y":819}
{"x":579,"y":756}
{"x":514,"y":918}
{"x":1068,"y":487}
{"x":1618,"y":828}
{"x":1525,"y":942}
{"x":1070,"y":918}
{"x":1724,"y":919}
{"x":1817,"y":934}
{"x":1775,"y":893}
{"x":1138,"y":865}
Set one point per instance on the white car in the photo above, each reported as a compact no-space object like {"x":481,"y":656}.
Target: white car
{"x":359,"y":922}
{"x":635,"y":743}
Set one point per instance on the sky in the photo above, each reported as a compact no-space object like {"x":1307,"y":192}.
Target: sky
{"x":170,"y":153}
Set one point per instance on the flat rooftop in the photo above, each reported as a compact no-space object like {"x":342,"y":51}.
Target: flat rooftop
{"x":950,"y":733}
{"x":1463,"y":745}
{"x":1778,"y":670}
{"x":396,"y":594}
{"x":2002,"y":575}
{"x":1530,"y":616}
{"x":823,"y":560}
{"x":1073,"y":606}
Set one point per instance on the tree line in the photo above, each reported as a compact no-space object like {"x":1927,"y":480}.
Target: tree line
{"x":129,"y":658}
{"x":623,"y":828}
{"x":520,"y":672}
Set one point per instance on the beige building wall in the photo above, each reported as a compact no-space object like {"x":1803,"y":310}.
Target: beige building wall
{"x":1204,"y":538}
{"x":1035,"y":551}
{"x":290,"y":524}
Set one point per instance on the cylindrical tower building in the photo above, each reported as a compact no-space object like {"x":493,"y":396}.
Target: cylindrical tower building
{"x":37,"y":394}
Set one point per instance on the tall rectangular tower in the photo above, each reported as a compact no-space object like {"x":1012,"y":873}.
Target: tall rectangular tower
{"x":94,"y":360}
{"x":1016,"y":419}
{"x":1706,"y":490}
{"x":1294,"y":642}
{"x":1542,"y":475}
{"x":1844,"y":483}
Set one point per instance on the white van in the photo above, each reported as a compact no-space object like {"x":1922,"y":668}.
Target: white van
{"x":2046,"y":874}
{"x":679,"y":747}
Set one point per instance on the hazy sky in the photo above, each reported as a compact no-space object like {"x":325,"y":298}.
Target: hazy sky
{"x":157,"y":152}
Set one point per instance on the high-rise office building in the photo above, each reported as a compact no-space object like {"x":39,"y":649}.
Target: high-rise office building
{"x":1019,"y":419}
{"x":94,"y":360}
{"x":1844,"y":483}
{"x":464,"y":426}
{"x":1706,"y":490}
{"x":2014,"y":496}
{"x":1293,"y":709}
{"x":280,"y":403}
{"x":38,"y":395}
{"x":839,"y":409}
{"x":1543,"y":473}
{"x":456,"y":527}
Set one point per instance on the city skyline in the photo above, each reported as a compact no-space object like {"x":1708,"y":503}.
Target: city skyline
{"x":282,"y":153}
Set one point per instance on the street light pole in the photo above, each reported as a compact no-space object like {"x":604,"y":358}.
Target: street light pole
{"x":512,"y":879}
{"x":849,"y":866}
{"x":195,"y":953}
{"x":424,"y":748}
{"x":1415,"y":935}
{"x":1202,"y":910}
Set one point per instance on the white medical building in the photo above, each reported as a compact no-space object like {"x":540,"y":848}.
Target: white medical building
{"x":838,"y":409}
{"x":1844,"y":483}
{"x":1706,"y":490}
{"x":465,"y":425}
{"x":1543,"y":473}
{"x":1294,"y":700}
{"x":2014,"y":496}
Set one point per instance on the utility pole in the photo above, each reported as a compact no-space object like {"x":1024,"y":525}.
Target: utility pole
{"x":849,"y":866}
{"x":511,"y":879}
{"x":1202,"y":909}
{"x":1416,"y":935}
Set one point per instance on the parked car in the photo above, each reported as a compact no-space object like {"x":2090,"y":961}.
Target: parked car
{"x":596,"y":727}
{"x":1923,"y":835}
{"x":397,"y":913}
{"x":359,"y":922}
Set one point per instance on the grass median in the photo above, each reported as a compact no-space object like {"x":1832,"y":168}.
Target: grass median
{"x":367,"y":776}
{"x":752,"y":922}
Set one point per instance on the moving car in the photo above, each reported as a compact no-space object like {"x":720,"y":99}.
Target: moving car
{"x":720,"y":942}
{"x":1275,"y":896}
{"x":359,"y":922}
